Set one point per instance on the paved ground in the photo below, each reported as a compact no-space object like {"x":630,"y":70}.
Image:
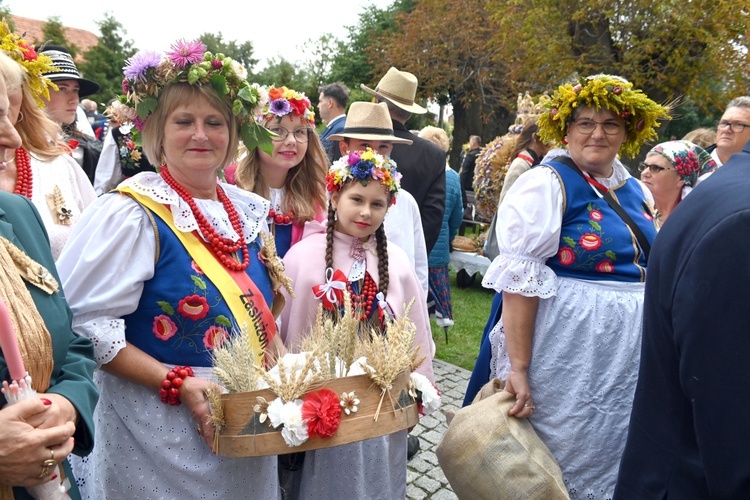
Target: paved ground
{"x":425,"y":479}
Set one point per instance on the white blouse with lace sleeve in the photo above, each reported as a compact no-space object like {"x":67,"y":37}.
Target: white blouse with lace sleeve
{"x":528,"y":233}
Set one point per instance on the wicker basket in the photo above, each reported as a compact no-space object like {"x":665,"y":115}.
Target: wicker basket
{"x":242,"y":434}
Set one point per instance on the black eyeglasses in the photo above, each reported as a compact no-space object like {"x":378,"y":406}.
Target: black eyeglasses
{"x":586,"y":126}
{"x":735,"y":127}
{"x":655,"y":169}
{"x":301,"y":135}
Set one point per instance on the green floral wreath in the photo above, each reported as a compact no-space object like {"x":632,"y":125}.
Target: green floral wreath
{"x":614,"y":93}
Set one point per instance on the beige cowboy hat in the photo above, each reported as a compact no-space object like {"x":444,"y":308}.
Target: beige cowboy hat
{"x":368,"y":121}
{"x":399,"y":88}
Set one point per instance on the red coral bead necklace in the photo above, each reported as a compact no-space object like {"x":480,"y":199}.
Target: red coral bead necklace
{"x":363,"y":301}
{"x":222,"y":247}
{"x":24,"y":180}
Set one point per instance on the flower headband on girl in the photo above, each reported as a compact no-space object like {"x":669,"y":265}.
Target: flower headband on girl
{"x":362,"y":166}
{"x":34,"y":65}
{"x":147,"y":73}
{"x":283,"y":101}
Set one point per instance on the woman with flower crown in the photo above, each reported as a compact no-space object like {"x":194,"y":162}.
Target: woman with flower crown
{"x":164,"y":269}
{"x":352,"y":250}
{"x":292,"y":175}
{"x":573,"y":244}
{"x":42,"y":170}
{"x":670,"y":171}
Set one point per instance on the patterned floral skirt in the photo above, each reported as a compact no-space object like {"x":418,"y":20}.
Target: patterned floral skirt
{"x":439,"y":294}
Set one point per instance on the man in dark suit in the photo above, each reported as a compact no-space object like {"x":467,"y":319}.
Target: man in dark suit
{"x":332,"y":107}
{"x":423,"y":163}
{"x":689,"y":431}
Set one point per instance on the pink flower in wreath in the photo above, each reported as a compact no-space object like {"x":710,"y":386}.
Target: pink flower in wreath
{"x":590,"y":241}
{"x":596,"y":215}
{"x":215,"y":337}
{"x":605,"y":266}
{"x":194,"y":307}
{"x":164,"y":328}
{"x":566,"y":256}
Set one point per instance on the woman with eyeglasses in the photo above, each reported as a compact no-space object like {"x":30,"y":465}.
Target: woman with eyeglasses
{"x":670,"y":172}
{"x":293,"y":175}
{"x":571,"y":271}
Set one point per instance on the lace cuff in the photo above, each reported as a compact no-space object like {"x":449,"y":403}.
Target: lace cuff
{"x":521,"y":274}
{"x":107,"y":335}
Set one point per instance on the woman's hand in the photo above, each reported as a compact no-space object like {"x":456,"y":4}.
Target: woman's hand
{"x":518,"y":384}
{"x":58,"y":413}
{"x":193,"y":396}
{"x":24,"y":448}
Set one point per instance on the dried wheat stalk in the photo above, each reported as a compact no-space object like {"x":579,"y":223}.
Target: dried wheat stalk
{"x":233,"y":363}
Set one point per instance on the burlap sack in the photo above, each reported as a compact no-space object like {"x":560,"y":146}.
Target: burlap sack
{"x":487,"y":454}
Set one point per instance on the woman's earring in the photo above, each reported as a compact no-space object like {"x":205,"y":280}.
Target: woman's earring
{"x":20,"y":117}
{"x":565,"y":140}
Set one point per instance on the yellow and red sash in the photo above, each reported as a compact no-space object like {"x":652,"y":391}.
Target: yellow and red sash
{"x":242,"y":296}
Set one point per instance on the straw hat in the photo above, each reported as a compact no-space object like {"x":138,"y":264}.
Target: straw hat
{"x":399,"y":88}
{"x":67,"y":70}
{"x":369,"y":122}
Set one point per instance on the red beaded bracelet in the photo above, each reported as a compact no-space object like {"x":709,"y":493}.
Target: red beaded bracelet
{"x":170,"y":387}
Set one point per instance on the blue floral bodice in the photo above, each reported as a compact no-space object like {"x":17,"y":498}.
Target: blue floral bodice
{"x":181,"y":315}
{"x":595,"y":243}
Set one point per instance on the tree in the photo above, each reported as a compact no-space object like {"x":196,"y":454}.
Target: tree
{"x":446,"y":44}
{"x":280,"y":72}
{"x":104,"y":61}
{"x":670,"y":49}
{"x":242,"y":53}
{"x":54,"y":34}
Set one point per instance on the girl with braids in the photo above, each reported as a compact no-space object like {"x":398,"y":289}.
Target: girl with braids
{"x":291,"y":177}
{"x":352,"y":252}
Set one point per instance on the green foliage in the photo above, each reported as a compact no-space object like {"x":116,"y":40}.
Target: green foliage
{"x":240,"y":52}
{"x":104,"y":61}
{"x":54,"y":34}
{"x":280,"y":72}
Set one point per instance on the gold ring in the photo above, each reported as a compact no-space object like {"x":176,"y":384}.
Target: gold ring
{"x":48,"y":465}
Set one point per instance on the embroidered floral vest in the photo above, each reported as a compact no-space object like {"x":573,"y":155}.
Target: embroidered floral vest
{"x":595,"y":243}
{"x":181,"y":315}
{"x":132,"y":158}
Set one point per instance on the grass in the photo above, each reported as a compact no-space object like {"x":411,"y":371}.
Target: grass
{"x":471,"y":307}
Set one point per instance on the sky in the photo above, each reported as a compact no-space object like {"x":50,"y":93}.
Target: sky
{"x":155,"y":24}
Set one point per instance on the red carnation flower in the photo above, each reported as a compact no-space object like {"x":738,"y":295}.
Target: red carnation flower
{"x":605,"y":266}
{"x":590,"y":241}
{"x":566,"y":256}
{"x":596,"y":215}
{"x":322,"y":411}
{"x":194,"y":307}
{"x":29,"y":54}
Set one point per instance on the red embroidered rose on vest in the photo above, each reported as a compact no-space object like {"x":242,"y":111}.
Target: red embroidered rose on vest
{"x":194,"y":307}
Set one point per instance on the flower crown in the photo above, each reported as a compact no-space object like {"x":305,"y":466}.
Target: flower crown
{"x":280,"y":101}
{"x":147,"y":73}
{"x":361,"y":166}
{"x":614,"y":93}
{"x":34,"y":65}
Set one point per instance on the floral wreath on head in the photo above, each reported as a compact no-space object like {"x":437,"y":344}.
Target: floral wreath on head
{"x":147,"y":73}
{"x":281,"y":101}
{"x":363,"y":166}
{"x":34,"y":65}
{"x":613,"y":93}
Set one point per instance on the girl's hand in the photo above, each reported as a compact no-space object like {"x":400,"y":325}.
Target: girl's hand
{"x":193,"y":396}
{"x":518,"y":384}
{"x":23,"y":448}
